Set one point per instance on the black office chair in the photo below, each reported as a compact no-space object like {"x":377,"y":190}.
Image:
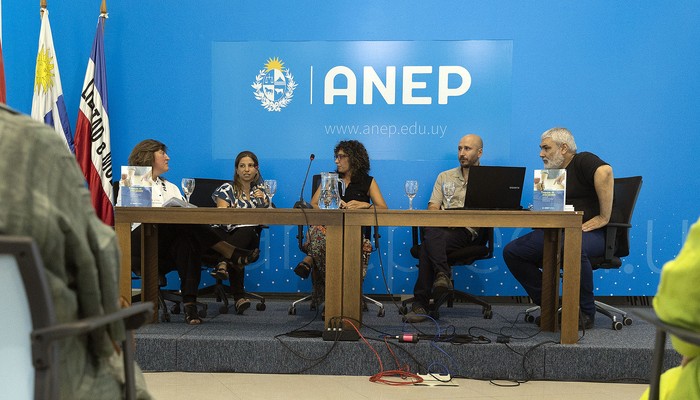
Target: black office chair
{"x":367,"y":232}
{"x":616,"y":244}
{"x":482,"y":249}
{"x":201,"y":197}
{"x":662,"y":328}
{"x":25,"y":285}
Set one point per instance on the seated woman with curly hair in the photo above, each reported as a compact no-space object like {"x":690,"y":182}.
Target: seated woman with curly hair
{"x":361,"y":191}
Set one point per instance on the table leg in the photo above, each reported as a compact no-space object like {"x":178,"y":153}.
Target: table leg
{"x":124,"y":238}
{"x":352,"y":276}
{"x":334,"y":274}
{"x":550,"y":280}
{"x":149,"y":266}
{"x":571,"y":286}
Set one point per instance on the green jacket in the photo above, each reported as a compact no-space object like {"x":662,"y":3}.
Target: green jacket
{"x":43,"y":195}
{"x":677,"y":302}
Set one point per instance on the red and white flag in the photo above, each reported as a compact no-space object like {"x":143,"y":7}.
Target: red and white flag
{"x":92,"y":142}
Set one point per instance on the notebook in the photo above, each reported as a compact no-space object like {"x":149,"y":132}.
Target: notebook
{"x":494,"y":188}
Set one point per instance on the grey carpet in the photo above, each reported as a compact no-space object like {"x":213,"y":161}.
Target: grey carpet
{"x":247,"y":343}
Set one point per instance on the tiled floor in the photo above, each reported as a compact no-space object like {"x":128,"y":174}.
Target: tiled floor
{"x":231,"y":386}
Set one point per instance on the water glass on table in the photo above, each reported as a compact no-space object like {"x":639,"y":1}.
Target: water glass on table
{"x":187,"y":187}
{"x":448,"y":190}
{"x":411,"y":188}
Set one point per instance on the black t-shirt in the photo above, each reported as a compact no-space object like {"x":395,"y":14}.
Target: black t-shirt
{"x":580,"y":186}
{"x":358,"y":189}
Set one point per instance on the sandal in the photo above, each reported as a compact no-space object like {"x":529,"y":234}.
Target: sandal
{"x":221,"y":271}
{"x":245,"y":257}
{"x":303,"y":269}
{"x":242,"y":304}
{"x":192,"y":315}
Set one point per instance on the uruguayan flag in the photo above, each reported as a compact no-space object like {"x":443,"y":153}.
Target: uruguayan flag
{"x":48,"y":105}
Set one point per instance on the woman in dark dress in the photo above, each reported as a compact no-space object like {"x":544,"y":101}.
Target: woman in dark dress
{"x":361,"y":191}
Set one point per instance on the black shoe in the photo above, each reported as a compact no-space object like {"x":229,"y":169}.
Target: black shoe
{"x":442,"y":287}
{"x":220,"y":271}
{"x":586,"y":321}
{"x":192,"y":314}
{"x":242,"y":304}
{"x":417,"y":314}
{"x":303,"y":270}
{"x":442,"y":281}
{"x":245,"y":257}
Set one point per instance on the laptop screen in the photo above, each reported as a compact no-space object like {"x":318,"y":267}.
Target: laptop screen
{"x":494,"y":188}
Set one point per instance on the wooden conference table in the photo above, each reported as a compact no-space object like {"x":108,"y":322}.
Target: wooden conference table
{"x":149,"y":217}
{"x":343,"y":244}
{"x":553,"y":224}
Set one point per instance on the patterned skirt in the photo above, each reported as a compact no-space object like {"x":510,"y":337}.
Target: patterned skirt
{"x":315,"y":247}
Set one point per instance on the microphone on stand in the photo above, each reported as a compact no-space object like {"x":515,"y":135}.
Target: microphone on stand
{"x":301,"y":203}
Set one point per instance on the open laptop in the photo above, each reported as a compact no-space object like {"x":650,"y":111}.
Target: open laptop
{"x":494,"y":188}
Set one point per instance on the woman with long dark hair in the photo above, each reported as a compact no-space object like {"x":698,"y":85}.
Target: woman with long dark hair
{"x":246,"y":191}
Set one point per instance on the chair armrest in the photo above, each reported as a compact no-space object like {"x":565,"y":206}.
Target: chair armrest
{"x":662,"y":328}
{"x":415,"y":246}
{"x":687,"y":335}
{"x":43,"y":338}
{"x":133,"y":317}
{"x":618,"y":225}
{"x":489,"y":242}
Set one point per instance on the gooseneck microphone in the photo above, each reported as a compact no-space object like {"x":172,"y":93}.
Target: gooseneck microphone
{"x":301,"y":203}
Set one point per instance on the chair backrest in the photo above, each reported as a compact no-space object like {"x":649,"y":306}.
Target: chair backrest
{"x":115,"y":191}
{"x":626,"y":193}
{"x":203,"y":189}
{"x":27,"y":303}
{"x":617,"y":232}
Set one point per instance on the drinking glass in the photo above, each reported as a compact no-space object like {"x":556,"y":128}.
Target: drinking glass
{"x":270,"y":187}
{"x":188,"y":187}
{"x":448,"y":189}
{"x":411,"y":188}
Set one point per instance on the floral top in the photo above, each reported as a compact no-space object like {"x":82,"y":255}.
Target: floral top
{"x":225,"y":192}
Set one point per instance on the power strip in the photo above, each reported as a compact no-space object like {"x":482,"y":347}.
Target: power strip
{"x":340,"y":334}
{"x":437,"y":380}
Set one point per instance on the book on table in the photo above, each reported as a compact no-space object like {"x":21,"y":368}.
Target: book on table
{"x":135,"y":188}
{"x":549,"y":190}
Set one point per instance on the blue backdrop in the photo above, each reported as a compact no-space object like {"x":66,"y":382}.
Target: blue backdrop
{"x":623,"y":77}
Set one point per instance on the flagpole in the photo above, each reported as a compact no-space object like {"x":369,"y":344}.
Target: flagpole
{"x":42,"y":4}
{"x":103,"y":7}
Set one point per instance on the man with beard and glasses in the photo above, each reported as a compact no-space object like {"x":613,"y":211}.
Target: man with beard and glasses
{"x":589,"y":188}
{"x":433,"y":270}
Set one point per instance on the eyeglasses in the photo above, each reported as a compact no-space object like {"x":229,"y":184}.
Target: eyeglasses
{"x":340,"y":156}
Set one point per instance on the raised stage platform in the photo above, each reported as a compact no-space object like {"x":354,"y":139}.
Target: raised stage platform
{"x":467,"y":345}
